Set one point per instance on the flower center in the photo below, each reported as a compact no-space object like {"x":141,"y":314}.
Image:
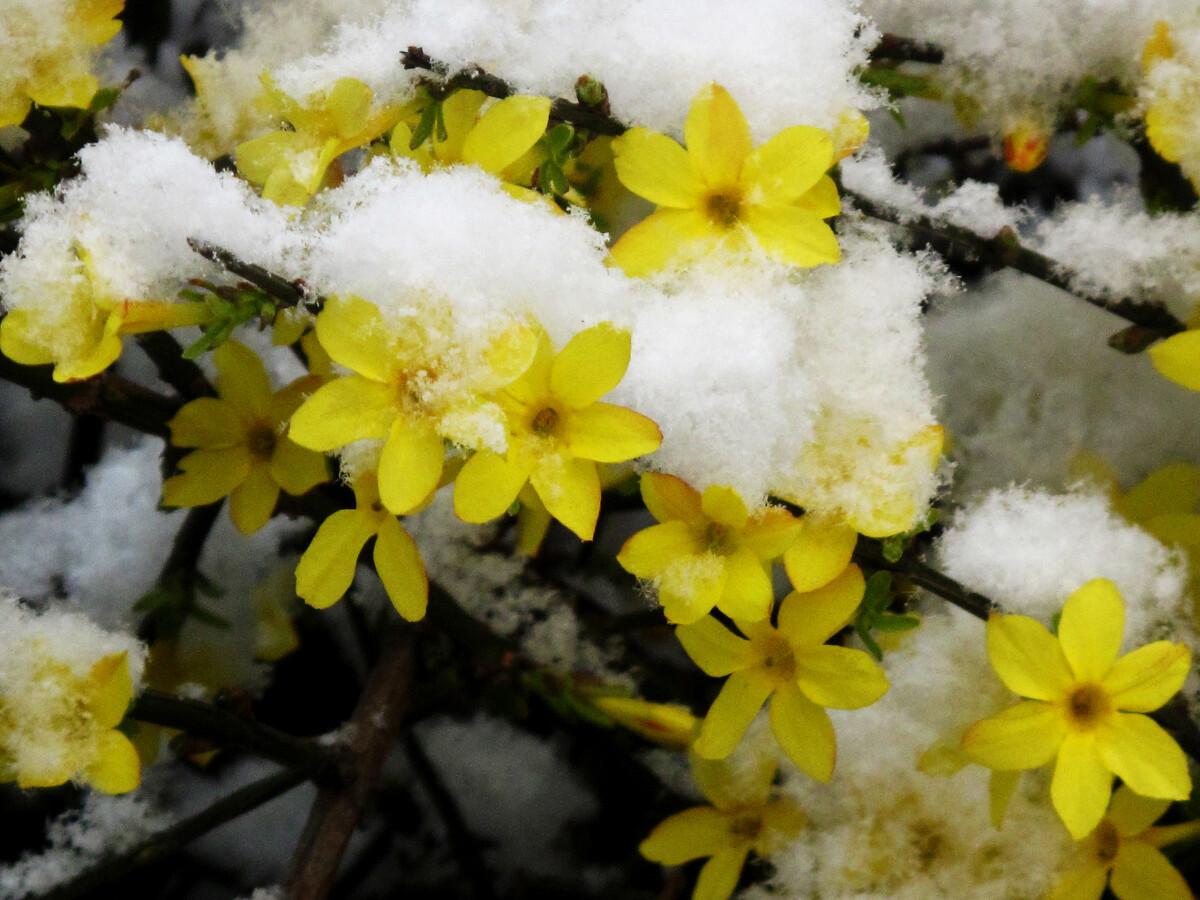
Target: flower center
{"x":746,"y":827}
{"x":260,"y":441}
{"x":1087,"y":705}
{"x":723,"y":207}
{"x":777,"y":659}
{"x":545,"y":422}
{"x":717,"y":538}
{"x":1108,"y":842}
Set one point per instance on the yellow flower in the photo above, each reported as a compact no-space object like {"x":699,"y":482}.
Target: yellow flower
{"x":66,"y":727}
{"x":413,"y":383}
{"x":722,"y":189}
{"x":1026,"y":143}
{"x":1178,"y":358}
{"x":708,"y":550}
{"x":53,"y":69}
{"x":946,"y":758}
{"x":742,"y":818}
{"x":243,"y":453}
{"x":84,"y":337}
{"x":793,"y":666}
{"x":1169,"y":89}
{"x":291,"y":164}
{"x":557,"y":432}
{"x":326,"y":570}
{"x":1084,"y":707}
{"x":1125,"y":845}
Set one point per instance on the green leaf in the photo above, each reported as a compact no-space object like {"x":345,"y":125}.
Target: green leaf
{"x":429,"y":117}
{"x":890,"y":622}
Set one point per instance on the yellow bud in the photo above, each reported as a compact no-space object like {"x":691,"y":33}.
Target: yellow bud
{"x":1025,"y":145}
{"x":664,"y":723}
{"x":849,"y":133}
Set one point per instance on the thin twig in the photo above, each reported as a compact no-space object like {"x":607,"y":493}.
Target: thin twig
{"x":287,"y":293}
{"x":185,"y":376}
{"x":895,"y":48}
{"x":870,"y":553}
{"x":338,"y":808}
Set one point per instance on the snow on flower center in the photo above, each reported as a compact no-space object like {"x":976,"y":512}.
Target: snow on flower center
{"x":1087,"y":705}
{"x":723,"y":207}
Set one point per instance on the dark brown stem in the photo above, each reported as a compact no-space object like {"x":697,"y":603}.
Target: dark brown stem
{"x":338,"y":807}
{"x":287,"y":293}
{"x":870,"y":553}
{"x":185,"y":376}
{"x":895,"y":48}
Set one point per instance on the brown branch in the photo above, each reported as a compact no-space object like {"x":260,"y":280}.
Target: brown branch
{"x":185,"y":376}
{"x":895,"y":48}
{"x":338,"y":807}
{"x":870,"y":553}
{"x":278,"y":288}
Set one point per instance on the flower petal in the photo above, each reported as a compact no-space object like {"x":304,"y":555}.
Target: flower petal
{"x":714,"y":648}
{"x":207,"y":422}
{"x":607,"y":433}
{"x":326,"y":570}
{"x":1142,"y":872}
{"x":653,"y":243}
{"x":486,"y":487}
{"x":822,"y":201}
{"x":401,"y":570}
{"x":839,"y":677}
{"x":410,"y":465}
{"x":1174,"y":488}
{"x":1132,"y":813}
{"x":717,"y":137}
{"x":804,"y":732}
{"x":723,"y":505}
{"x":1001,"y":787}
{"x":591,"y":364}
{"x":1139,"y":752}
{"x":242,"y":380}
{"x":570,"y":490}
{"x":657,"y":168}
{"x":208,"y":475}
{"x":793,"y":235}
{"x":691,"y":834}
{"x":296,"y":469}
{"x":1084,"y":882}
{"x":770,"y":532}
{"x":1146,"y":678}
{"x":669,"y":498}
{"x":719,"y":876}
{"x":1178,"y":358}
{"x":816,"y":616}
{"x":351,"y":331}
{"x":820,"y":553}
{"x":1081,"y":786}
{"x":1023,"y":736}
{"x":117,"y":768}
{"x":648,"y":552}
{"x":1027,"y":657}
{"x":505,"y":132}
{"x":739,"y":701}
{"x":748,"y":594}
{"x":112,"y":689}
{"x":789,"y":165}
{"x":343,"y":411}
{"x":253,"y":501}
{"x":691,"y":586}
{"x":1090,"y":629}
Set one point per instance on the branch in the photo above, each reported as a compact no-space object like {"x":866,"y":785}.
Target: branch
{"x":338,"y":808}
{"x":287,"y":293}
{"x":894,"y":48}
{"x":1151,"y":320}
{"x":204,"y":720}
{"x":185,"y":376}
{"x":870,"y":552}
{"x":171,"y":840}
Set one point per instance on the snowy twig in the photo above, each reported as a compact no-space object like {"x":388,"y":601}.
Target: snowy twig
{"x":1005,"y":251}
{"x":895,"y":48}
{"x":870,"y":553}
{"x":185,"y":376}
{"x":278,"y":288}
{"x":204,"y":720}
{"x":338,"y":807}
{"x":172,"y":839}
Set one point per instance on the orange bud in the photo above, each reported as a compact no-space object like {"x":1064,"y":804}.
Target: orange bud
{"x":1026,"y":145}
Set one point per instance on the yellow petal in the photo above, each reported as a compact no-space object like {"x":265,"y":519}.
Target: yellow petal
{"x":658,"y":239}
{"x":459,"y":113}
{"x":739,"y":701}
{"x":839,"y":677}
{"x":714,"y":648}
{"x":748,"y":594}
{"x":112,"y":689}
{"x":1023,"y":736}
{"x":105,"y":352}
{"x":691,"y":834}
{"x":1084,"y":882}
{"x":253,"y":501}
{"x":570,"y":490}
{"x":770,"y":532}
{"x":1081,"y":786}
{"x":1132,"y":814}
{"x":1001,"y":787}
{"x":669,"y":498}
{"x":1146,"y":678}
{"x":296,"y":469}
{"x":326,"y":570}
{"x":242,"y":380}
{"x":1142,"y":872}
{"x":719,"y":876}
{"x":648,"y":552}
{"x":534,"y":384}
{"x":486,"y":487}
{"x":793,"y":235}
{"x":782,"y":822}
{"x":13,"y":110}
{"x":1139,"y":752}
{"x":349,"y":104}
{"x":1090,"y":630}
{"x":607,"y":433}
{"x":657,"y":168}
{"x":1178,"y":358}
{"x":591,"y":364}
{"x":724,"y":506}
{"x":117,"y":768}
{"x":16,"y":342}
{"x":505,"y":132}
{"x":816,"y":616}
{"x":343,"y":411}
{"x":1174,"y":488}
{"x":819,"y":554}
{"x":73,"y":89}
{"x":822,"y":201}
{"x":401,"y":570}
{"x":352,"y":332}
{"x":1027,"y":657}
{"x":717,"y":137}
{"x":207,"y":422}
{"x":410,"y":465}
{"x":733,"y":784}
{"x":532,"y":523}
{"x":208,"y":475}
{"x":259,"y":157}
{"x":691,"y":586}
{"x":804,"y":732}
{"x":789,"y":165}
